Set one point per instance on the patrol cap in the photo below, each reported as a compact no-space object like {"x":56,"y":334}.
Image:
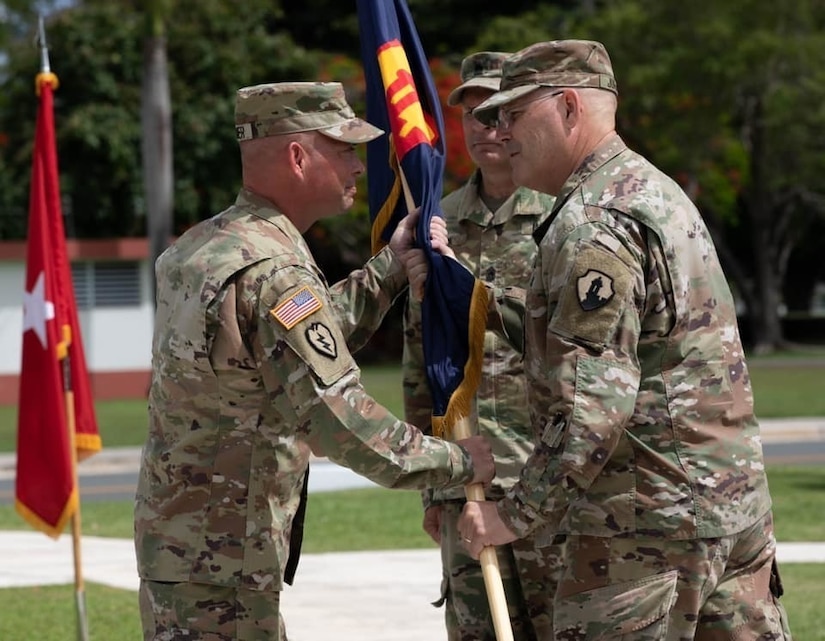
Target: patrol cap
{"x":557,"y":63}
{"x":290,"y":107}
{"x":482,"y":69}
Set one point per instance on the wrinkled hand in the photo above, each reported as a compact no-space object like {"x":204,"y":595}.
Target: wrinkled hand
{"x":432,"y":522}
{"x":439,"y":237}
{"x":416,"y":265}
{"x":480,"y":525}
{"x":402,"y":240}
{"x":482,"y":454}
{"x":402,"y":244}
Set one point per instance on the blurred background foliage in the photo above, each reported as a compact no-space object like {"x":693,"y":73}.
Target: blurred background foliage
{"x":727,"y":98}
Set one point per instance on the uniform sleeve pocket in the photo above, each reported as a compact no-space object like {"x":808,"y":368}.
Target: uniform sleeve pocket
{"x":616,"y":610}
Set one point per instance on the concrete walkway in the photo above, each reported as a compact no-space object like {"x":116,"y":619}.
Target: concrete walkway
{"x":359,"y":595}
{"x":355,"y":596}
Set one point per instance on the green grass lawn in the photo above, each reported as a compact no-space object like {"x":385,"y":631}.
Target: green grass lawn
{"x":381,"y":519}
{"x":47,"y":613}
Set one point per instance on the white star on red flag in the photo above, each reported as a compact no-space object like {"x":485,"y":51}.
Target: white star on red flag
{"x":37,"y":311}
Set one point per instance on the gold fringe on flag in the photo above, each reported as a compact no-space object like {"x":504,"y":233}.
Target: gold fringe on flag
{"x":460,"y":404}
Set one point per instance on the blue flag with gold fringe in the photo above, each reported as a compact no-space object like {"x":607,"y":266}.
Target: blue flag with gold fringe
{"x":402,"y":100}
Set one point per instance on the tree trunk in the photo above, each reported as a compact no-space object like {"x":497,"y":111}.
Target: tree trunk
{"x":156,"y":129}
{"x":764,"y":317}
{"x":767,"y":324}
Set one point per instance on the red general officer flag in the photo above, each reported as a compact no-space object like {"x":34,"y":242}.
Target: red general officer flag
{"x":56,"y":411}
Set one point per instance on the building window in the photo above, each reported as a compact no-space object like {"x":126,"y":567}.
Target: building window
{"x":101,"y":284}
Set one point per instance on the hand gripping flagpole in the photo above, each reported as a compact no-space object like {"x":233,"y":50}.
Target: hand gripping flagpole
{"x":487,"y":558}
{"x":46,"y":77}
{"x":490,"y":570}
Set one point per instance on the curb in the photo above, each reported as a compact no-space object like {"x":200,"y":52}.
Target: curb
{"x":775,"y":430}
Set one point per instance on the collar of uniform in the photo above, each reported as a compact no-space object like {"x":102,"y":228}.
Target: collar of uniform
{"x":264,"y":209}
{"x":250,"y":200}
{"x":527,"y":202}
{"x":608,"y":150}
{"x":472,"y":208}
{"x":605,"y":152}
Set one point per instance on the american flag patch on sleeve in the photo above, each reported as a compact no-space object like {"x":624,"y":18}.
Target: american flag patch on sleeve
{"x":296,"y":308}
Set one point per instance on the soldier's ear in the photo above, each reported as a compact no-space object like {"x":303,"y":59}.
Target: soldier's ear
{"x":297,"y":156}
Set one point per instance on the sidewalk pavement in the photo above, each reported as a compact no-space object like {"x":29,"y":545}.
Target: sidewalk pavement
{"x":359,"y":595}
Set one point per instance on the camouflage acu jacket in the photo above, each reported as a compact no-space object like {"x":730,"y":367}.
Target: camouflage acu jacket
{"x":498,"y":248}
{"x":635,"y":368}
{"x":252,"y":370}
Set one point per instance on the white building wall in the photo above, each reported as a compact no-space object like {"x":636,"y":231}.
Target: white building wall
{"x":114,"y":338}
{"x":12,"y":280}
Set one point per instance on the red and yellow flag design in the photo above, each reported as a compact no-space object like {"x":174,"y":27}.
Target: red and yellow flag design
{"x":56,"y":414}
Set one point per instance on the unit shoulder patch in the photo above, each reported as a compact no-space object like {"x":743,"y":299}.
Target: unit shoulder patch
{"x":321,"y":340}
{"x":296,"y":308}
{"x":594,"y":298}
{"x":595,"y":289}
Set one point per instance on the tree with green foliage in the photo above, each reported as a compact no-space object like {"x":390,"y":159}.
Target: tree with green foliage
{"x":97,"y":51}
{"x":726,"y":98}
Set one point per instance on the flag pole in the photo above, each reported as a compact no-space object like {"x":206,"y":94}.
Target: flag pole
{"x":79,"y":588}
{"x":46,"y":76}
{"x":490,"y":570}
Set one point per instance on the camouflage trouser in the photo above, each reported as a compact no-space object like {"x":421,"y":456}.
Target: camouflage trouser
{"x":200,"y":612}
{"x":647,"y":589}
{"x":529,"y":576}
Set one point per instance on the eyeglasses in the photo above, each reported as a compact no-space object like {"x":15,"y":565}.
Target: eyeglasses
{"x":507,"y":117}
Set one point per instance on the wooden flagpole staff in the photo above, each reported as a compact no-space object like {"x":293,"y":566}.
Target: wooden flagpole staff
{"x":475,"y":492}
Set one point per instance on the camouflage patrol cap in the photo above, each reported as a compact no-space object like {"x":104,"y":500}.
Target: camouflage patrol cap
{"x":482,"y":69}
{"x":290,"y":107}
{"x":558,"y":63}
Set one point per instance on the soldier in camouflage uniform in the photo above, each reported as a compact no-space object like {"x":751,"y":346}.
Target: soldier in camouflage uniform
{"x":252,"y":372}
{"x":490,"y":223}
{"x":650,"y":457}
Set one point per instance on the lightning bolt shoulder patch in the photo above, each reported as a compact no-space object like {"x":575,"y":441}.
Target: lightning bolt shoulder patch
{"x":320,"y":338}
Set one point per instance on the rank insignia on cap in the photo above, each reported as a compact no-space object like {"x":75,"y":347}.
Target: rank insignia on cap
{"x":322,"y":340}
{"x":594,"y":289}
{"x":297,"y":307}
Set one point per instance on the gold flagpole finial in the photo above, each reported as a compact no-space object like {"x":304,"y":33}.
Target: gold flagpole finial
{"x":45,"y":75}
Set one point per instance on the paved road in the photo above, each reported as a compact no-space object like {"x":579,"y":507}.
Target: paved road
{"x":111,"y":475}
{"x":325,"y":476}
